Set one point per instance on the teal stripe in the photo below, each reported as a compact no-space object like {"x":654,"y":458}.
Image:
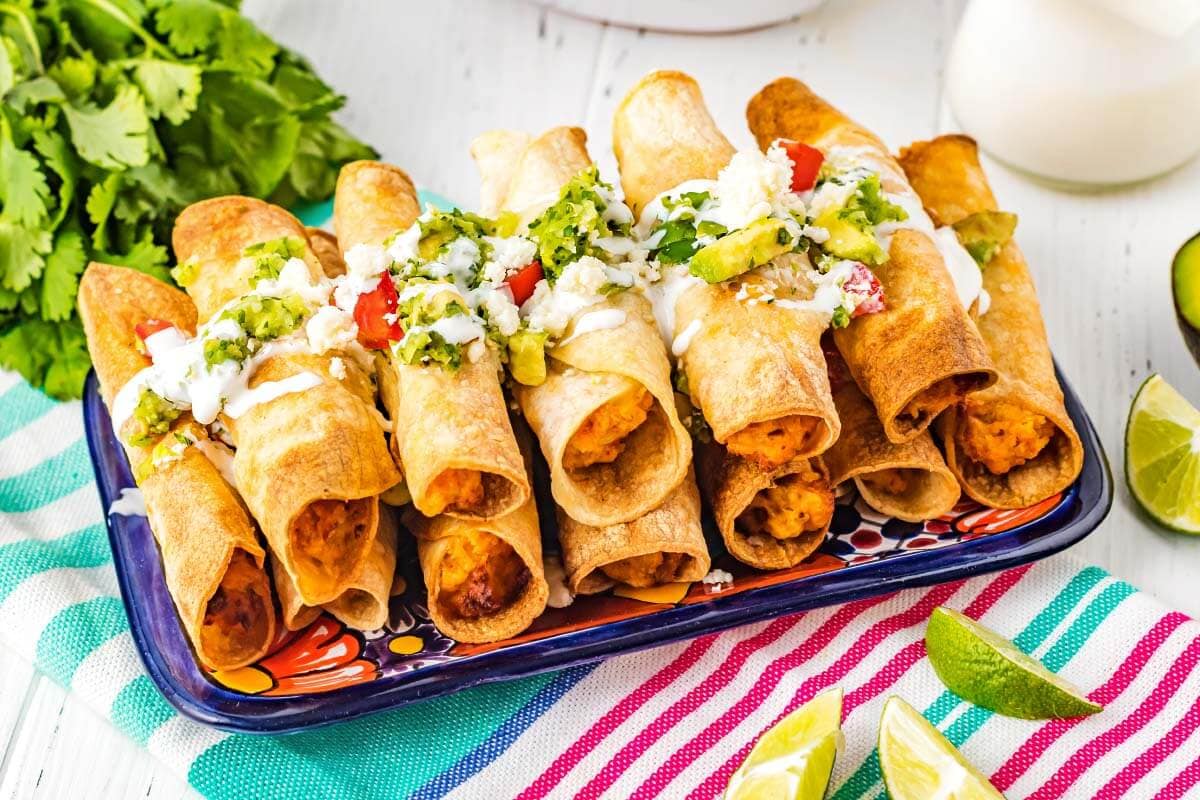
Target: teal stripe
{"x":84,"y":548}
{"x":403,"y":749}
{"x":21,"y":405}
{"x":75,"y":632}
{"x":1035,"y":633}
{"x":55,"y":477}
{"x":139,"y":709}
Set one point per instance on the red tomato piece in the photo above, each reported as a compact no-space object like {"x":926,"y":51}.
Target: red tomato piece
{"x":862,"y":282}
{"x":806,"y":164}
{"x":374,"y":330}
{"x":523,"y":281}
{"x":148,"y":328}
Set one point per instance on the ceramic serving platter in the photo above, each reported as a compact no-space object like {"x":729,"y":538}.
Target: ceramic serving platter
{"x":328,"y":672}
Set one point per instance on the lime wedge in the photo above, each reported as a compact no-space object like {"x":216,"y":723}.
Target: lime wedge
{"x":794,"y":759}
{"x":918,"y":763}
{"x":986,"y":669}
{"x":1162,"y":455}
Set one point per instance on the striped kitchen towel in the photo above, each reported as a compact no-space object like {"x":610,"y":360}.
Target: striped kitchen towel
{"x":671,"y":722}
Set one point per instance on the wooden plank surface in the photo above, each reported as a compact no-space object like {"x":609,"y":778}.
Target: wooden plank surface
{"x":425,"y":78}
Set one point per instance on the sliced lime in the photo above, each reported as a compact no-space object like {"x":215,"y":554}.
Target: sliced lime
{"x":986,"y":669}
{"x":918,"y":763}
{"x":1162,"y":455}
{"x":1185,"y":285}
{"x":794,"y":759}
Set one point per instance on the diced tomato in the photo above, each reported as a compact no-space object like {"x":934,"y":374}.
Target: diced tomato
{"x":523,"y":281}
{"x":145,"y":330}
{"x":806,"y":164}
{"x":862,"y":282}
{"x":374,"y":331}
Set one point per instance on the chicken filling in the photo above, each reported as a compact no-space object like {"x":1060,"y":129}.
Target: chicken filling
{"x":890,"y":481}
{"x":1003,"y":435}
{"x":456,"y":490}
{"x":480,"y":575}
{"x":602,"y":436}
{"x":775,"y":441}
{"x":647,"y":570}
{"x":236,"y":618}
{"x":795,"y":505}
{"x":936,"y":399}
{"x":327,"y":537}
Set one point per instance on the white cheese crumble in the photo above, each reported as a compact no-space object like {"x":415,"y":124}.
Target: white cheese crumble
{"x":337,"y":368}
{"x":717,"y":577}
{"x":556,"y":577}
{"x":509,"y":254}
{"x":330,"y":328}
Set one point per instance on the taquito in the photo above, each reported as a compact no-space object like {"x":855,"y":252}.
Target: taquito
{"x":922,"y":353}
{"x":755,"y":370}
{"x":664,"y":546}
{"x":309,"y":463}
{"x":212,"y":561}
{"x":364,"y":603}
{"x":450,"y":428}
{"x":325,"y":248}
{"x":605,"y":415}
{"x":769,"y":518}
{"x":1012,"y":444}
{"x":484,"y":577}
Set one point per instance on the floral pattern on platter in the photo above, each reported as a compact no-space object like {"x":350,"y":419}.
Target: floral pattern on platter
{"x":327,"y":655}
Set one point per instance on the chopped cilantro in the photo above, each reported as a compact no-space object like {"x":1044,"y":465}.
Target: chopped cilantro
{"x":868,"y":207}
{"x":841,"y":317}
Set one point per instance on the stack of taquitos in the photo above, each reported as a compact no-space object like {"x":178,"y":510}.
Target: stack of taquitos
{"x":481,"y":561}
{"x":309,"y":464}
{"x":755,"y":371}
{"x":922,"y":353}
{"x":634,"y":517}
{"x":1012,"y":444}
{"x":212,"y":560}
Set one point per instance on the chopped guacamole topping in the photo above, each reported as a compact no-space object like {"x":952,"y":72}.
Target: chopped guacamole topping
{"x":184,"y":272}
{"x":568,"y":230}
{"x":270,"y":256}
{"x":439,"y":229}
{"x":527,"y":357}
{"x":868,"y":206}
{"x":423,"y":342}
{"x":217,"y":351}
{"x":267,"y":318}
{"x":153,"y":415}
{"x":680,"y":229}
{"x":984,"y":233}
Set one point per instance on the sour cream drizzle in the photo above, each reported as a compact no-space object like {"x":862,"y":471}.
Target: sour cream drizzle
{"x":604,"y":319}
{"x":129,"y":504}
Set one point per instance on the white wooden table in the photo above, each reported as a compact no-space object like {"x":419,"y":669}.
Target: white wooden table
{"x":425,"y":78}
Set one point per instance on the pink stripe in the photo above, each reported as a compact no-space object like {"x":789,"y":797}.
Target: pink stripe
{"x":685,"y":705}
{"x":1181,"y":783}
{"x":762,"y":689}
{"x":1087,"y":755}
{"x":1154,"y":755}
{"x":885,"y":678}
{"x":1037,"y":744}
{"x":567,"y":760}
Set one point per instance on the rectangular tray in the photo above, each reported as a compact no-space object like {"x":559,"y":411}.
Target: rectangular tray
{"x":328,"y":673}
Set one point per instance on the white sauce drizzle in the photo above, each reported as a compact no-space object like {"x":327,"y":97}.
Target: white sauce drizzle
{"x":243,"y":400}
{"x":684,"y":340}
{"x":129,"y":504}
{"x":221,"y":457}
{"x":605,"y":319}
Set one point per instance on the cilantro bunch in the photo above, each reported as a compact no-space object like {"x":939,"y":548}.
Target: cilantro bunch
{"x":114,"y":115}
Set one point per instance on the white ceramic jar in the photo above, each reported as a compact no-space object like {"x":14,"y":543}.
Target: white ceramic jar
{"x":1092,"y":92}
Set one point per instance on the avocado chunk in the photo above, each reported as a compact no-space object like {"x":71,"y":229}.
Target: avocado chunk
{"x":742,"y":251}
{"x":1185,"y":286}
{"x":527,"y":357}
{"x":847,"y":240}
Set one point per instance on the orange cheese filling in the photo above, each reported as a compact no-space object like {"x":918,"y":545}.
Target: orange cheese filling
{"x":601,"y":437}
{"x":236,"y":618}
{"x":327,"y":535}
{"x":480,"y":575}
{"x":774,"y":441}
{"x":935,"y":399}
{"x":890,"y":481}
{"x":647,"y":570}
{"x":796,"y":504}
{"x":1003,"y":435}
{"x":457,"y":489}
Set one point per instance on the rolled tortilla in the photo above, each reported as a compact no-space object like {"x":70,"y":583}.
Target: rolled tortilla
{"x":497,"y":153}
{"x":364,"y":604}
{"x":605,"y":416}
{"x":755,"y":371}
{"x":922,"y":353}
{"x":450,"y":430}
{"x":1012,"y":444}
{"x":325,"y":248}
{"x":484,"y":577}
{"x":309,"y":464}
{"x":769,"y":518}
{"x":212,"y":561}
{"x":664,"y":546}
{"x":909,"y":481}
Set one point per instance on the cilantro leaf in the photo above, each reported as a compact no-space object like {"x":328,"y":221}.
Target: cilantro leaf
{"x":22,"y":254}
{"x":171,"y":90}
{"x":23,"y":188}
{"x":115,"y":136}
{"x":60,"y":279}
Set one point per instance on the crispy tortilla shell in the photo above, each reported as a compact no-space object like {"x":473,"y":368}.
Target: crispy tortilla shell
{"x":209,"y":547}
{"x":947,"y":175}
{"x":922,"y":353}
